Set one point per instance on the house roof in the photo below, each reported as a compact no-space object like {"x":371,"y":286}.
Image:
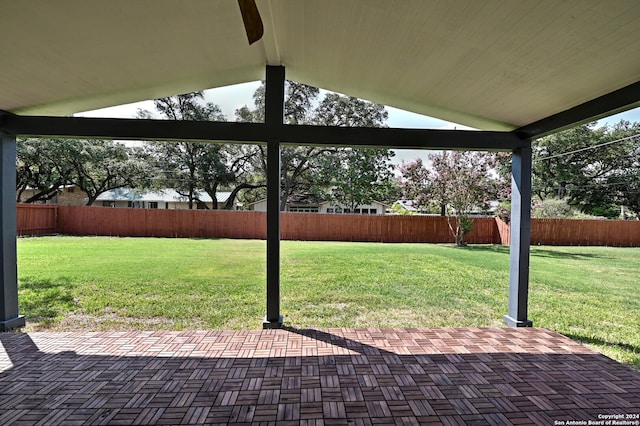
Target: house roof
{"x":409,"y":205}
{"x":491,"y":64}
{"x":374,"y":202}
{"x":162,"y":195}
{"x":299,"y":201}
{"x":296,"y":200}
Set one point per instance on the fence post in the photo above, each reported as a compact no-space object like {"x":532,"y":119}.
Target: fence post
{"x":9,"y":318}
{"x":520,"y":238}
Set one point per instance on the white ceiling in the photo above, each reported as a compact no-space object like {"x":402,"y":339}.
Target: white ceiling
{"x":490,"y":64}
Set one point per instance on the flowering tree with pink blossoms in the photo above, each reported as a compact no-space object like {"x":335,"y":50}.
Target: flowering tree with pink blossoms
{"x":457,"y":181}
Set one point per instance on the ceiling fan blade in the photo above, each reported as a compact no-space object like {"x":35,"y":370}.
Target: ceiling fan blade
{"x":251,"y":19}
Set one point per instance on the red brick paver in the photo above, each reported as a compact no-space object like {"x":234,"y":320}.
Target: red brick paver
{"x":311,"y":377}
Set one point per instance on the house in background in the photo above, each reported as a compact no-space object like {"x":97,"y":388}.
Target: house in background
{"x":375,"y":207}
{"x":159,"y":199}
{"x":68,"y":195}
{"x":295,"y":204}
{"x":310,"y":204}
{"x":413,"y":207}
{"x":406,"y":207}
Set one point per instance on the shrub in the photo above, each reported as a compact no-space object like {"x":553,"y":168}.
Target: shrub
{"x":552,"y":208}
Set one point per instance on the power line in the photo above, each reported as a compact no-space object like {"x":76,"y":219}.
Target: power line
{"x":588,"y":147}
{"x":603,"y":181}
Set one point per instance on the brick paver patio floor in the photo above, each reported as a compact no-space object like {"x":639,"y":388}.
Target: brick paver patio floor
{"x":289,"y":376}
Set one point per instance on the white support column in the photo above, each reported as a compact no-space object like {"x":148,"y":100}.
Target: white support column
{"x":520,"y":238}
{"x":9,"y":318}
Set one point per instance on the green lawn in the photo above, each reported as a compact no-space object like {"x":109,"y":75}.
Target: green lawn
{"x":591,"y":294}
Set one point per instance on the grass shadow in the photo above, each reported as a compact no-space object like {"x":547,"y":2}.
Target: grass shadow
{"x":45,"y":300}
{"x":562,"y":254}
{"x":597,"y":341}
{"x":484,"y":248}
{"x":536,"y":251}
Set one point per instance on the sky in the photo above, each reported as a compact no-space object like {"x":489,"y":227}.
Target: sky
{"x":230,"y":98}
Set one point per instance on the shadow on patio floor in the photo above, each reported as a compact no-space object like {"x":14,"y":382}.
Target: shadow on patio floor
{"x":335,"y":376}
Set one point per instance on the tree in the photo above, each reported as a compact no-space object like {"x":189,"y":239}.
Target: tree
{"x":43,"y":167}
{"x":461,"y":181}
{"x":630,"y":197}
{"x":359,"y":175}
{"x":94,"y":166}
{"x":624,"y":179}
{"x":554,"y":176}
{"x":592,"y":167}
{"x":176,"y":167}
{"x":300,"y":166}
{"x":102,"y":165}
{"x":189,"y":167}
{"x":356,"y":175}
{"x":415,"y":180}
{"x":343,"y":111}
{"x":303,"y":168}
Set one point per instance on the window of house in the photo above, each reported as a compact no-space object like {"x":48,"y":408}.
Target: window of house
{"x":303,"y":209}
{"x":152,"y":205}
{"x":357,"y":211}
{"x":373,"y":211}
{"x":108,"y":204}
{"x":347,"y":210}
{"x":365,"y":211}
{"x":329,"y":210}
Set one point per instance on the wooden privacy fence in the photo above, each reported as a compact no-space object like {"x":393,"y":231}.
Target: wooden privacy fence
{"x":559,"y":232}
{"x":574,"y":232}
{"x":504,"y":232}
{"x":125,"y":222}
{"x":38,"y":220}
{"x":379,"y":228}
{"x":234,"y":224}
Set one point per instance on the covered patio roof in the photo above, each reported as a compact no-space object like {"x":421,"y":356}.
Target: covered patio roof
{"x":515,"y":70}
{"x":492,"y":65}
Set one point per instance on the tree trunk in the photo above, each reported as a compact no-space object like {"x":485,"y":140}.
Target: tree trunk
{"x":201,"y":205}
{"x":228,"y":205}
{"x":91,"y":200}
{"x":42,"y":196}
{"x":456,"y":231}
{"x":212,"y":191}
{"x":284,"y":196}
